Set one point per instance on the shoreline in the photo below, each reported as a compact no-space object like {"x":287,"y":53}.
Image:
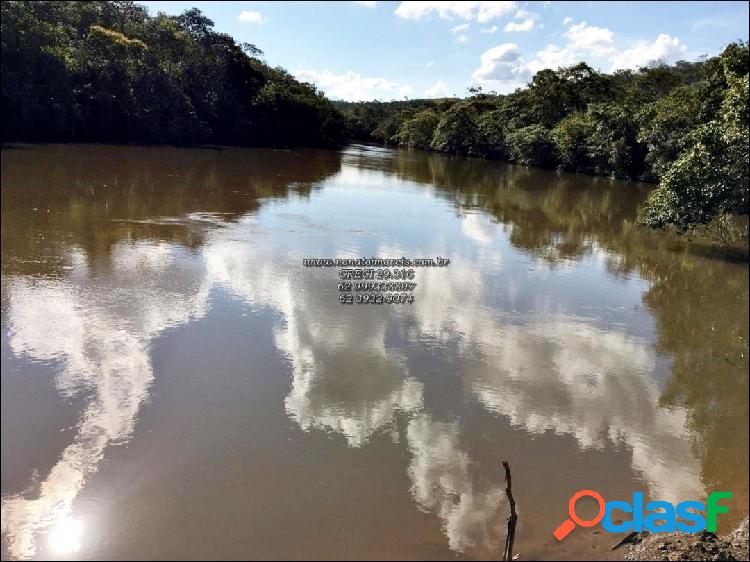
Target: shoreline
{"x":692,"y":546}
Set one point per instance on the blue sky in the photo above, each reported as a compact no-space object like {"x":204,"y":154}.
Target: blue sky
{"x":388,"y":50}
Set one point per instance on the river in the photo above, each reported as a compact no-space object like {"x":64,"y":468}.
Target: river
{"x":175,"y":384}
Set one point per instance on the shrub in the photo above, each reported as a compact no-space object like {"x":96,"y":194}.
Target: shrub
{"x":532,"y":145}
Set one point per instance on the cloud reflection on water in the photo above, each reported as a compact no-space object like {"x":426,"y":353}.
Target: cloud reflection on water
{"x":548,"y":371}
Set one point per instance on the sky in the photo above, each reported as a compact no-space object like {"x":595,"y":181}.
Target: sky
{"x":391,"y":50}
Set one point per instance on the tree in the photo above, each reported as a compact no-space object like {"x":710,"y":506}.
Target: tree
{"x":711,"y":176}
{"x":664,"y":124}
{"x":532,"y":145}
{"x":492,"y":127}
{"x":107,"y":71}
{"x":418,"y":131}
{"x":572,"y":135}
{"x":457,"y":131}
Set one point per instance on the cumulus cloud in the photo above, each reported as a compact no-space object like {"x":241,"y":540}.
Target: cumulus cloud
{"x":251,"y":16}
{"x":352,"y":86}
{"x":665,"y":48}
{"x":591,"y":40}
{"x":460,"y":27}
{"x":438,"y":90}
{"x":552,"y":56}
{"x":503,"y":63}
{"x":524,"y":21}
{"x":506,"y":64}
{"x":598,"y":47}
{"x":429,"y":64}
{"x":482,"y":12}
{"x":492,"y":29}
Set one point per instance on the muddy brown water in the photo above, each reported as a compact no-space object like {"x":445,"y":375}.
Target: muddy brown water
{"x":176,"y":385}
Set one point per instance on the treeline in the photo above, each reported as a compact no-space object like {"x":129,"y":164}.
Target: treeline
{"x":110,"y":72}
{"x":684,"y":126}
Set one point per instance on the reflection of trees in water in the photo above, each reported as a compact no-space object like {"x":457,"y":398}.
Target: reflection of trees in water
{"x":710,"y":369}
{"x":93,"y":196}
{"x":564,"y":216}
{"x":92,"y":251}
{"x":552,"y":216}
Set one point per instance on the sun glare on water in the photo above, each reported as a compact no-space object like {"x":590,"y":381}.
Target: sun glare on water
{"x":65,"y":537}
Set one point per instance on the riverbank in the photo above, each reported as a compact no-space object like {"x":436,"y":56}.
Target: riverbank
{"x":696,"y":546}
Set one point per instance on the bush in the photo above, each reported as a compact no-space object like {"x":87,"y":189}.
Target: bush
{"x":613,"y":146}
{"x":491,"y":127}
{"x":571,"y":136}
{"x":533,"y":146}
{"x":457,"y":131}
{"x":711,"y":176}
{"x":418,"y":131}
{"x":664,"y":124}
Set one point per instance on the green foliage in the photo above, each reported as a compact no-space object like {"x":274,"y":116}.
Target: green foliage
{"x":107,"y":71}
{"x":613,"y":146}
{"x":492,"y":127}
{"x":664,"y":125}
{"x":571,"y":136}
{"x":710,"y":176}
{"x":457,"y":131}
{"x":695,"y":186}
{"x":417,"y":132}
{"x":685,"y":125}
{"x":532,"y":145}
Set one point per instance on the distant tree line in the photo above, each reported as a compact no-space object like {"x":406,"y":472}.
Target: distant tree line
{"x":110,"y":72}
{"x":684,"y":126}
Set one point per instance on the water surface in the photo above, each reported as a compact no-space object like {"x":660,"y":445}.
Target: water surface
{"x":176,"y":385}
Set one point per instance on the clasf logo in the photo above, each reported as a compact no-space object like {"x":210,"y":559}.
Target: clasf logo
{"x":662,"y":517}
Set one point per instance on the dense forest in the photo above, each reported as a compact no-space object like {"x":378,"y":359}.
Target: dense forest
{"x":684,"y":126}
{"x":110,"y":72}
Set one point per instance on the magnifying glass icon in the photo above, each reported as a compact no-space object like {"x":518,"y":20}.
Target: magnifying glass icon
{"x":569,"y":524}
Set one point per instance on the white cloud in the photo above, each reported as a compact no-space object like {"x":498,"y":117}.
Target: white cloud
{"x":552,"y":57}
{"x":462,"y":38}
{"x":405,"y":91}
{"x":597,"y":46}
{"x":460,"y":27}
{"x":479,"y":11}
{"x":429,"y":64}
{"x":366,"y":3}
{"x":492,"y":29}
{"x":438,"y":90}
{"x":567,"y":20}
{"x":251,"y":16}
{"x":525,"y":21}
{"x":352,"y":86}
{"x":591,"y":40}
{"x":502,"y":63}
{"x":491,"y":10}
{"x":665,"y":48}
{"x":525,"y":25}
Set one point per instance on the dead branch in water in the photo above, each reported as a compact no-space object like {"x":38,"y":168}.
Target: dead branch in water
{"x":512,"y":518}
